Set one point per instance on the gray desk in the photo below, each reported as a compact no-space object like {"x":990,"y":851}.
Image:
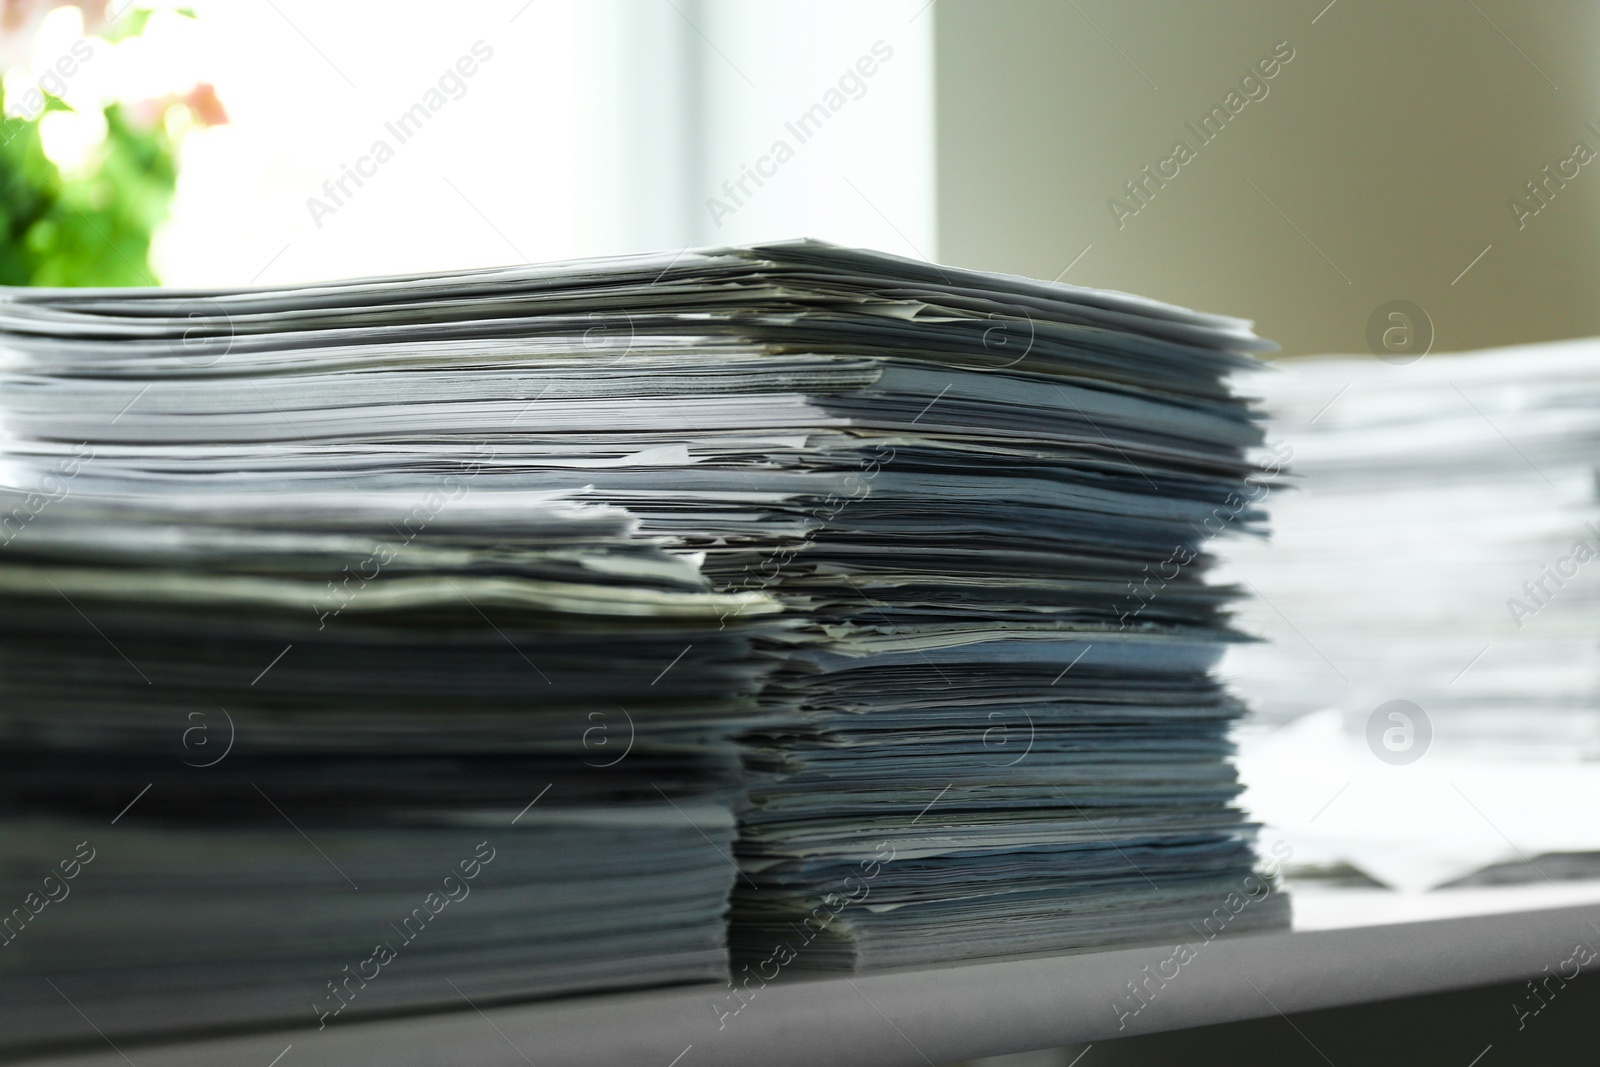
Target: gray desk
{"x":1348,"y":948}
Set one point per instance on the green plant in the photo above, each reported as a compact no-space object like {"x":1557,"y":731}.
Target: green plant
{"x":92,"y":226}
{"x":89,"y":222}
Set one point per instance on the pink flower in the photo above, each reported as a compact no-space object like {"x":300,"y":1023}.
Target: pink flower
{"x":201,"y":101}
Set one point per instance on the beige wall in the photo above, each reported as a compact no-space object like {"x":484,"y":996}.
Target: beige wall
{"x":1393,"y":140}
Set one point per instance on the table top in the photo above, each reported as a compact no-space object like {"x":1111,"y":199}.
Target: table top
{"x":1348,"y":947}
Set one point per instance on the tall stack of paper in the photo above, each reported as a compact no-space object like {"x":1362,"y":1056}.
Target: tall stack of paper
{"x":1429,"y":593}
{"x":985,"y":719}
{"x":1007,"y":738}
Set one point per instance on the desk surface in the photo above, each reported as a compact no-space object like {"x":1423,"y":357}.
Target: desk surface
{"x":1349,"y":947}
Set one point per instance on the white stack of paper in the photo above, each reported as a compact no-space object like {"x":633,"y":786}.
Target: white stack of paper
{"x":1430,"y":593}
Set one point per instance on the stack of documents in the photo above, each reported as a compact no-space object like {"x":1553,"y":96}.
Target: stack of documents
{"x":1004,"y":736}
{"x":1430,"y":595}
{"x":932,"y":542}
{"x":499,"y":763}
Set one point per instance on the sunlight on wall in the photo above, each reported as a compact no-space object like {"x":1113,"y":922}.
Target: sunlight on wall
{"x":359,"y":145}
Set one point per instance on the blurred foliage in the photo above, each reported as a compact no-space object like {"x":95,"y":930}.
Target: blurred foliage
{"x":92,"y":227}
{"x":91,"y":223}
